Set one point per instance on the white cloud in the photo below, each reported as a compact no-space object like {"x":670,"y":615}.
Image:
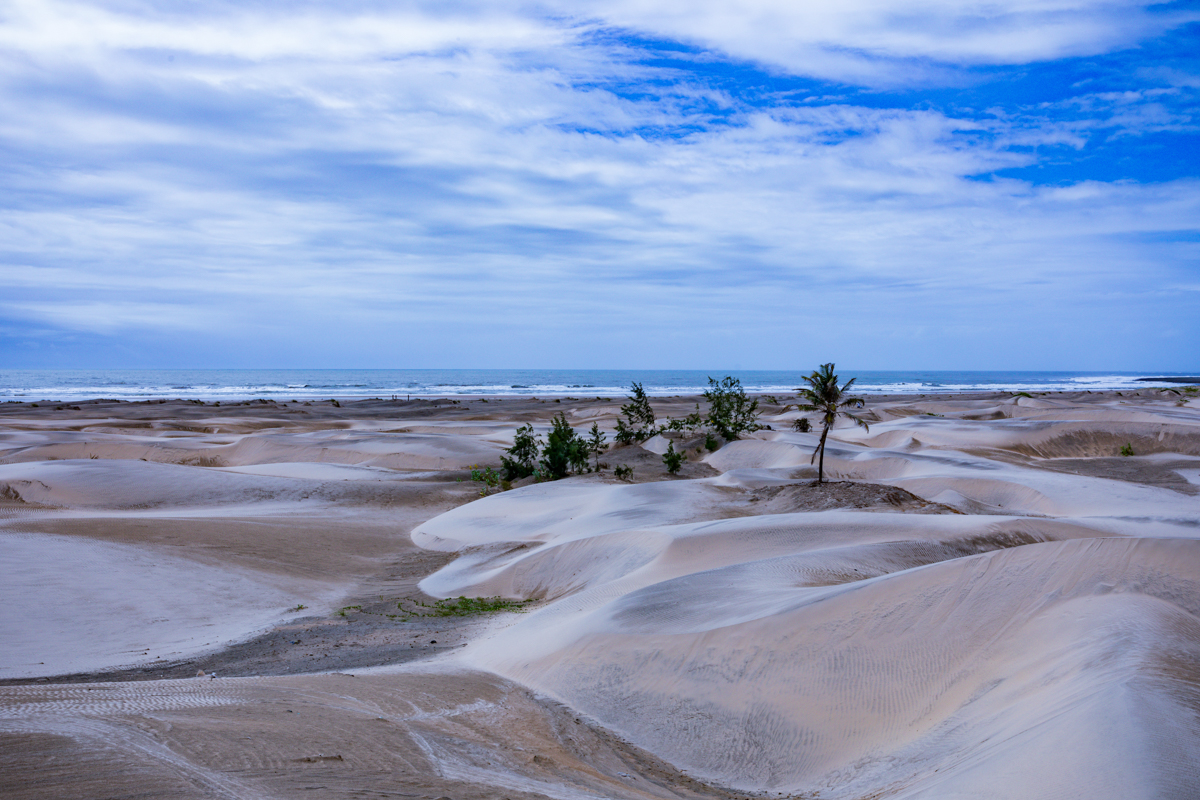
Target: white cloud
{"x":395,"y":169}
{"x":861,"y":41}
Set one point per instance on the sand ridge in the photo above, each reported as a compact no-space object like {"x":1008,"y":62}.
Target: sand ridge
{"x":989,"y":600}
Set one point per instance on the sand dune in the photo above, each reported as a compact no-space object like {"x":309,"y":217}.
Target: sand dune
{"x":125,"y":604}
{"x":1024,"y":624}
{"x":752,"y":676}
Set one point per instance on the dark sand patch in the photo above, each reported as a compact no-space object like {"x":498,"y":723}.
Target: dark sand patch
{"x":813,"y":496}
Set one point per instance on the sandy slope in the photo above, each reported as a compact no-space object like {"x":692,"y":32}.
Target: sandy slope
{"x":1025,"y":627}
{"x":121,"y":604}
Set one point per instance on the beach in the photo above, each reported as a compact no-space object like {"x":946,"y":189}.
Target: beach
{"x":249,"y":599}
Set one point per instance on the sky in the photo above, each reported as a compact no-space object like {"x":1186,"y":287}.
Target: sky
{"x":928,"y":184}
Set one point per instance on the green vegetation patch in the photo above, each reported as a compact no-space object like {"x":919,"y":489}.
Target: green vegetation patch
{"x":409,"y":608}
{"x":459,"y":607}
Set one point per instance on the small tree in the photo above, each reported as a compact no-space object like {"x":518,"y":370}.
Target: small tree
{"x":564,"y":450}
{"x":521,"y":460}
{"x":640,"y":416}
{"x":730,"y":412}
{"x":672,"y":459}
{"x":595,"y":443}
{"x":638,"y":410}
{"x":823,"y":395}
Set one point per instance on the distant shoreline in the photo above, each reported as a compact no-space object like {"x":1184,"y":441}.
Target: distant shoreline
{"x":416,"y":401}
{"x":63,"y":386}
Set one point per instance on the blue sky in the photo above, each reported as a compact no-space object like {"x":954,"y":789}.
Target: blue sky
{"x":652,"y":184}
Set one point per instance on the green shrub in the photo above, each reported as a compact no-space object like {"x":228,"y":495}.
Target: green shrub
{"x":488,"y":477}
{"x":624,"y":472}
{"x":564,"y":450}
{"x":802,"y":425}
{"x":1127,"y":449}
{"x":453,"y":607}
{"x":730,"y":412}
{"x":521,"y":460}
{"x":672,"y":459}
{"x":710,"y":442}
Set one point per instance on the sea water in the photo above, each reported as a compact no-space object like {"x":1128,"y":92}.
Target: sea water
{"x":288,"y":384}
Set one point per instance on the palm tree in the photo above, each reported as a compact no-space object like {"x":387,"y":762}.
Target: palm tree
{"x":822,"y":394}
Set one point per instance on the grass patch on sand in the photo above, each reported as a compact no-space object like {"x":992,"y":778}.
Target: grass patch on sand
{"x":409,"y":608}
{"x":461,"y":606}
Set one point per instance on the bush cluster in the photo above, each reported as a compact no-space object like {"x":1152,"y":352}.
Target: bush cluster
{"x":564,"y":451}
{"x":730,"y":412}
{"x":521,"y":460}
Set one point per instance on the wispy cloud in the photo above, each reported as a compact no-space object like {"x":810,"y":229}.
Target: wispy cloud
{"x":506,"y":184}
{"x":879,"y":42}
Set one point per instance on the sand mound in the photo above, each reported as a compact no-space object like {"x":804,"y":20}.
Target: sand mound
{"x":146,"y":485}
{"x":417,"y":447}
{"x":418,"y":451}
{"x":815,"y":496}
{"x":1086,"y":441}
{"x":755,"y":679}
{"x":567,"y":508}
{"x":764,"y":454}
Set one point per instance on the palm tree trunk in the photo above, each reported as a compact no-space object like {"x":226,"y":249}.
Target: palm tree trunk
{"x":821,"y":468}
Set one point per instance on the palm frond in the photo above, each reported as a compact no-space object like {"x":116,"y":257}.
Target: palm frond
{"x":857,"y":420}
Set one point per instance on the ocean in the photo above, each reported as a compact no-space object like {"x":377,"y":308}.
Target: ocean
{"x":248,"y":384}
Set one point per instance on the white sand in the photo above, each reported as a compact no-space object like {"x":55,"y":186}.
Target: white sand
{"x":1041,"y":642}
{"x":74,"y":605}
